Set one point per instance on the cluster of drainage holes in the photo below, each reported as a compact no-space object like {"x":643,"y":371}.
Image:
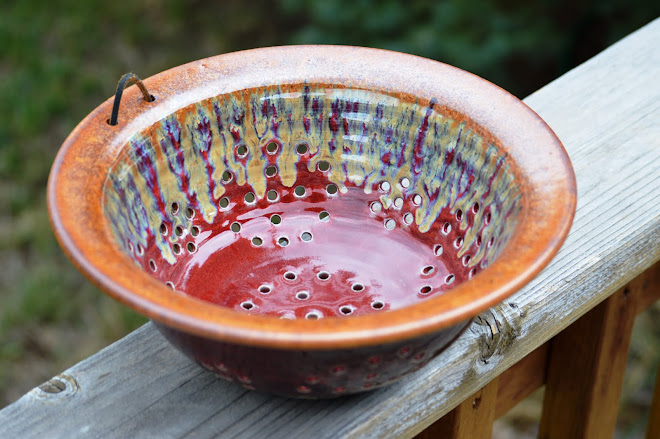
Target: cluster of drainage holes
{"x":303,"y":295}
{"x":257,"y":241}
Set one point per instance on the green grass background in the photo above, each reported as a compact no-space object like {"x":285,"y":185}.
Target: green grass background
{"x":60,"y":59}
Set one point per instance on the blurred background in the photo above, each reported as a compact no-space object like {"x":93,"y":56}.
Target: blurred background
{"x":60,"y":59}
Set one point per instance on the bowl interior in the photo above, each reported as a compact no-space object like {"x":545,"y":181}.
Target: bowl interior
{"x":312,"y":200}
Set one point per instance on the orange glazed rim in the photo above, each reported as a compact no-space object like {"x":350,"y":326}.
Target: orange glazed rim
{"x":540,"y":162}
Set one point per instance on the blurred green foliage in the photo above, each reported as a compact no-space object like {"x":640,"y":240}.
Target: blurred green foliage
{"x":60,"y":59}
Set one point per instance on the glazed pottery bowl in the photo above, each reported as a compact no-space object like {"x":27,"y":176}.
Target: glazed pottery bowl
{"x":312,"y":221}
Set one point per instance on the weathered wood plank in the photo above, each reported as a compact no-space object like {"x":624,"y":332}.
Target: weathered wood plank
{"x":585,"y":372}
{"x":605,"y":112}
{"x":471,"y":419}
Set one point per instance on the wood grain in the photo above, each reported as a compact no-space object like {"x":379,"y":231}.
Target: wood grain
{"x":605,"y":112}
{"x":471,"y":419}
{"x":585,"y":372}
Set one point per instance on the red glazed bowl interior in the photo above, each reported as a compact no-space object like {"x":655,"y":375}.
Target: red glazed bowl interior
{"x":312,"y":199}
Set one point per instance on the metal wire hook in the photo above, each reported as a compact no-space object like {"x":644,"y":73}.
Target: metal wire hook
{"x":125,"y":81}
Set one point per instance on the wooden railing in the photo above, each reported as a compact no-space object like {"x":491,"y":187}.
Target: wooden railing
{"x":568,"y":329}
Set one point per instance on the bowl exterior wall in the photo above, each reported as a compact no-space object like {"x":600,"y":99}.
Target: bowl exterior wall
{"x":312,"y":373}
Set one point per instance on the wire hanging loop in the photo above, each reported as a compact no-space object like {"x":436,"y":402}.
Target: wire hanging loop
{"x":125,"y":81}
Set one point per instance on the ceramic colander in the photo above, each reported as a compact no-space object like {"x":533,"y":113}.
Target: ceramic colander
{"x":312,"y":221}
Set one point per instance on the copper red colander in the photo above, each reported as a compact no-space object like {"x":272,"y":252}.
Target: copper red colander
{"x":264,"y":202}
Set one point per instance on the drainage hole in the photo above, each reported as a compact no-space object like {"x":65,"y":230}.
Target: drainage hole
{"x":390,"y":224}
{"x":302,"y":148}
{"x":290,"y":275}
{"x":140,"y":249}
{"x":163,"y":229}
{"x":241,"y":151}
{"x":257,"y":241}
{"x":429,"y":269}
{"x":265,"y":289}
{"x":178,"y":230}
{"x":313,"y":315}
{"x":176,"y":248}
{"x":324,"y":216}
{"x":190,"y":213}
{"x":458,"y":242}
{"x":152,"y":265}
{"x":475,"y":208}
{"x":324,"y":166}
{"x":437,"y":249}
{"x":283,"y":241}
{"x":417,"y":199}
{"x":466,"y":260}
{"x":398,"y":203}
{"x":472,"y":272}
{"x":227,"y":176}
{"x":331,"y":189}
{"x":323,"y":275}
{"x":300,"y":191}
{"x":272,"y":195}
{"x":376,"y":207}
{"x":194,"y":231}
{"x":449,"y":279}
{"x":224,"y":202}
{"x":247,"y":305}
{"x":192,"y":248}
{"x":306,"y":236}
{"x":446,"y":228}
{"x":357,"y":287}
{"x":302,"y":295}
{"x":175,"y":208}
{"x":459,"y":214}
{"x":272,"y":147}
{"x":346,"y":310}
{"x":377,"y":304}
{"x":405,"y":183}
{"x":271,"y":171}
{"x":426,"y":289}
{"x":170,"y":284}
{"x":235,"y":227}
{"x":249,"y":198}
{"x":408,"y":218}
{"x":385,"y":186}
{"x":276,"y":219}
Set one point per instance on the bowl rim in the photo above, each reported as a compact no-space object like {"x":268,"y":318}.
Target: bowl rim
{"x":541,"y":164}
